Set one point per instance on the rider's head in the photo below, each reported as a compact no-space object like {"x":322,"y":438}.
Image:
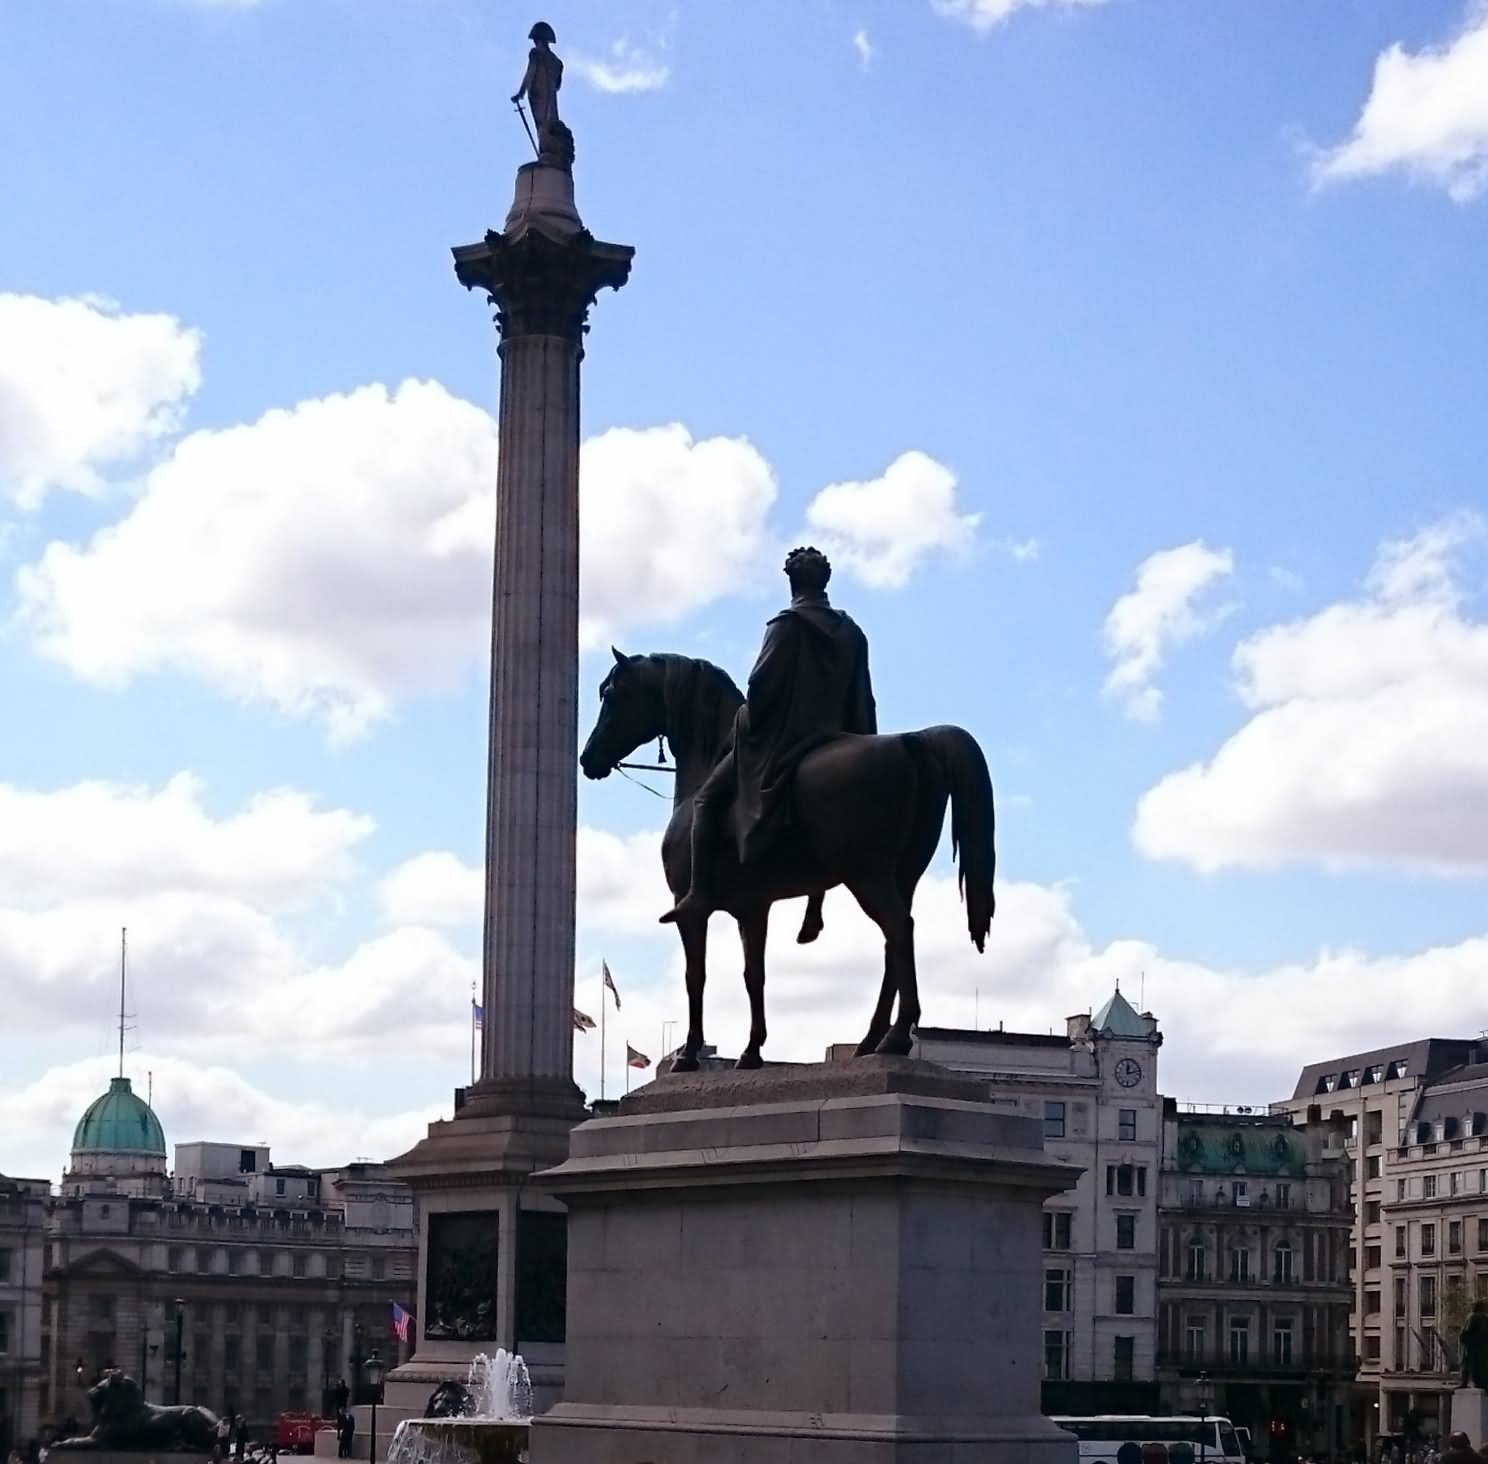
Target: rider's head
{"x":808,"y":571}
{"x":542,"y":33}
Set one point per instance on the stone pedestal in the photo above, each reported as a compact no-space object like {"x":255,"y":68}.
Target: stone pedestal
{"x":485,"y":1237}
{"x":836,"y":1264}
{"x":1470,"y":1415}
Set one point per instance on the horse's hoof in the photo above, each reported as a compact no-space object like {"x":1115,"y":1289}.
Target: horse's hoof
{"x":868,"y":1046}
{"x":809,"y":931}
{"x":750,"y":1060}
{"x":684,"y":1064}
{"x":895,"y":1044}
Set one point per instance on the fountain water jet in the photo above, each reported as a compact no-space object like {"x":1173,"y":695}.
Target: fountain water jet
{"x":498,"y":1394}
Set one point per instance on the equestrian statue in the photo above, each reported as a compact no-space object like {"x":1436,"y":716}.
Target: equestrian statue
{"x":789,"y":790}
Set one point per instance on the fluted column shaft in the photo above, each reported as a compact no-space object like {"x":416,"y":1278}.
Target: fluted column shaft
{"x":542,"y":284}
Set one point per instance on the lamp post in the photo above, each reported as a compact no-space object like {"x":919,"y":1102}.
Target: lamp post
{"x":1206,"y":1407}
{"x":180,"y":1323}
{"x":375,"y":1369}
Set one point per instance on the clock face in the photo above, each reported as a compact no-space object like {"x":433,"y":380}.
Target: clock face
{"x":1128,"y":1072}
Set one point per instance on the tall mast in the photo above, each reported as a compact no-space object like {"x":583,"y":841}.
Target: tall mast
{"x":123,"y":958}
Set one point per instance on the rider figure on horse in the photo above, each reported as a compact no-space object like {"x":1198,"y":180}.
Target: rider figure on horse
{"x":809,"y":684}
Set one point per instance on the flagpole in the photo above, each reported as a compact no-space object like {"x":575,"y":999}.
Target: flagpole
{"x":472,"y":1034}
{"x":601,"y":1036}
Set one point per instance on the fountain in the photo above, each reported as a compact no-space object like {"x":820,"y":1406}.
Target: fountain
{"x":484,"y":1422}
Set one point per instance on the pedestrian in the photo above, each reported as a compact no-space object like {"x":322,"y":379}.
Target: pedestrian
{"x":342,"y":1396}
{"x":240,"y":1428}
{"x":350,"y":1434}
{"x":1459,"y":1450}
{"x":223,"y":1440}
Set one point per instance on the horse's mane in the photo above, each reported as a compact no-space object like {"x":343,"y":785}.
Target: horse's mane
{"x":701,"y":700}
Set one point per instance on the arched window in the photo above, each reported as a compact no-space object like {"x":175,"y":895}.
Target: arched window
{"x":1281,"y":1262}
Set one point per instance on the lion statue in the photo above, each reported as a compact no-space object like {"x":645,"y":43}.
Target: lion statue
{"x":123,"y":1420}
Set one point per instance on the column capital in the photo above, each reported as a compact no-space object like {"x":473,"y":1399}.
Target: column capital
{"x":542,"y":285}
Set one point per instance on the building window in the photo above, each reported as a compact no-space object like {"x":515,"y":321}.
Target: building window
{"x":1483,"y":1181}
{"x":299,"y":1264}
{"x":4,"y":1332}
{"x":1126,"y":1179}
{"x":379,"y":1268}
{"x":1195,"y":1193}
{"x":1123,"y":1358}
{"x":1400,"y":1239}
{"x":278,"y":1186}
{"x":1428,"y":1186}
{"x":1195,"y":1338}
{"x":173,"y":1258}
{"x":1126,"y":1129}
{"x":1281,"y":1264}
{"x":1056,"y":1356}
{"x":1239,"y":1264}
{"x":1371,"y":1347}
{"x":1126,"y":1296}
{"x":1240,"y":1340}
{"x":1399,"y":1289}
{"x":1126,"y":1232}
{"x":203,"y":1260}
{"x":1053,"y":1120}
{"x":1372,"y":1167}
{"x":1197,"y":1263}
{"x":1371,"y":1212}
{"x":1428,"y":1296}
{"x":1371,"y":1303}
{"x":1283,"y":1197}
{"x":1057,"y":1229}
{"x":247,"y":1161}
{"x":1454,"y":1237}
{"x":1402,"y":1361}
{"x":1483,"y":1235}
{"x":232,"y":1358}
{"x":1428,"y":1240}
{"x":1281,"y":1342}
{"x":1057,"y":1291}
{"x":1374,"y":1125}
{"x":5,"y":1255}
{"x":232,"y":1262}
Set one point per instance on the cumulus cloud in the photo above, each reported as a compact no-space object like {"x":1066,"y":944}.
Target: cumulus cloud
{"x":883,"y":530}
{"x":83,"y":386}
{"x":619,"y":885}
{"x":99,"y":839}
{"x":333,"y":557}
{"x":197,"y":1101}
{"x":1161,"y":612}
{"x":1368,"y":736}
{"x":983,"y":16}
{"x":624,"y":69}
{"x":1426,"y":116}
{"x":865,"y":49}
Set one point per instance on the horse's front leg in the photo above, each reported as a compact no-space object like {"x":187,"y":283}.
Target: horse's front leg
{"x":882,"y":1013}
{"x":694,"y":932}
{"x":754,"y":927}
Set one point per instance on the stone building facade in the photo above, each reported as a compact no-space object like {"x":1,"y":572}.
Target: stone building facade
{"x":23,"y":1205}
{"x":1415,"y":1119}
{"x":271,"y":1281}
{"x":1094,"y":1088}
{"x":1253,"y":1284}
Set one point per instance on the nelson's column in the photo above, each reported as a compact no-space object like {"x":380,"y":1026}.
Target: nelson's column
{"x":491,"y":1247}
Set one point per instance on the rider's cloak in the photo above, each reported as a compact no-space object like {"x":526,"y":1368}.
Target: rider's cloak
{"x":810,"y":683}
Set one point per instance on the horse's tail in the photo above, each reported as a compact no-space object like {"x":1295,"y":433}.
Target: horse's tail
{"x":973,"y":822}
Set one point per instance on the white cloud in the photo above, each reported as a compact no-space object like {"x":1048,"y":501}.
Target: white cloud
{"x":624,"y":69}
{"x":884,"y":529}
{"x":865,"y":49}
{"x":107,"y":840}
{"x":986,"y":15}
{"x":1426,"y":116}
{"x":1162,"y":612}
{"x":84,"y":386}
{"x":619,"y":885}
{"x":334,"y":557}
{"x":1368,"y":739}
{"x":197,"y":1101}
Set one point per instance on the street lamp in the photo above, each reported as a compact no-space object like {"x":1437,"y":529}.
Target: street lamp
{"x":180,"y":1323}
{"x":375,"y":1369}
{"x":1206,"y":1407}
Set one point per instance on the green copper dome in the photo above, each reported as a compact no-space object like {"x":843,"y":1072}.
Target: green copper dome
{"x":119,"y":1122}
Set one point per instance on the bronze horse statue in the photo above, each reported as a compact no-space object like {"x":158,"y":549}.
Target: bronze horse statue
{"x":868,"y":814}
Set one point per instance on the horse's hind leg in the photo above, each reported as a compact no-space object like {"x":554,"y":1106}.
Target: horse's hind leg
{"x":694,"y":932}
{"x":888,"y":909}
{"x":754,"y":926}
{"x":882,"y":1012}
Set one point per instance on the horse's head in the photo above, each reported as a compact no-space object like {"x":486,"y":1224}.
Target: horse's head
{"x":632,"y":711}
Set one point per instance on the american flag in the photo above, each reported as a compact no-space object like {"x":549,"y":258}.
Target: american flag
{"x":401,"y":1320}
{"x":477,"y":1014}
{"x":610,"y":982}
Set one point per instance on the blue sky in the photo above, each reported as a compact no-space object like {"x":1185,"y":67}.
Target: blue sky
{"x":1143,"y":342}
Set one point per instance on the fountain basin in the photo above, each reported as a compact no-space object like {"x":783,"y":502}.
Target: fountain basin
{"x":460,"y":1441}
